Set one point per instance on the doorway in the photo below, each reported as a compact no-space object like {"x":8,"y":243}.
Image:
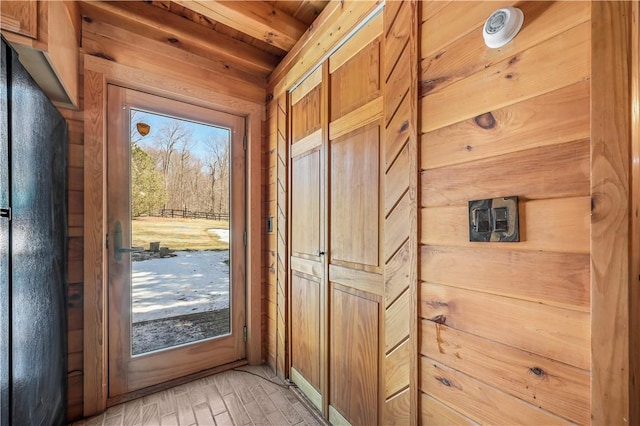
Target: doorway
{"x":176,"y":225}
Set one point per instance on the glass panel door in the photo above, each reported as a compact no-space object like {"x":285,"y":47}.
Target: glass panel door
{"x":176,"y":252}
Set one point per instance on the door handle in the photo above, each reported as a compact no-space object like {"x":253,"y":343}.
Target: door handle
{"x":117,"y":244}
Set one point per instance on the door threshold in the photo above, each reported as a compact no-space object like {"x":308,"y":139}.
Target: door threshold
{"x":173,"y":383}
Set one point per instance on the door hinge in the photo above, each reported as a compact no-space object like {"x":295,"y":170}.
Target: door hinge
{"x":5,"y":213}
{"x":106,"y":241}
{"x":244,"y":333}
{"x":244,"y":238}
{"x":244,"y":142}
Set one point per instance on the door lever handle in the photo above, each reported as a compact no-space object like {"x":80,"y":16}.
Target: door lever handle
{"x":117,"y":244}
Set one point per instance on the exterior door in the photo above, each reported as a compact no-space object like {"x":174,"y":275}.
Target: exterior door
{"x":308,"y":292}
{"x":176,"y":224}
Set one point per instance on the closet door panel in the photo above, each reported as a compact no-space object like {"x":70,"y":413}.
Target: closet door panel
{"x":354,"y":350}
{"x":355,"y":197}
{"x":305,"y":349}
{"x":305,"y":208}
{"x":356,"y":234}
{"x":308,"y":289}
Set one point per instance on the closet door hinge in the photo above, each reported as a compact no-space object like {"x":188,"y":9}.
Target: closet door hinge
{"x":5,"y":213}
{"x":244,"y":238}
{"x":244,"y":142}
{"x":244,"y":333}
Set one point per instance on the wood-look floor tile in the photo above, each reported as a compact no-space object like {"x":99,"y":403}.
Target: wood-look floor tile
{"x":305,"y":414}
{"x":224,"y":386}
{"x":286,"y":408}
{"x":113,"y":420}
{"x":203,"y":415}
{"x":236,"y":410}
{"x":223,"y":419}
{"x":96,"y":421}
{"x":214,"y":399}
{"x":266,"y":404}
{"x":150,"y":415}
{"x":166,"y":402}
{"x":184,"y":409}
{"x":232,"y":398}
{"x":132,"y":412}
{"x":169,"y":420}
{"x":258,"y":417}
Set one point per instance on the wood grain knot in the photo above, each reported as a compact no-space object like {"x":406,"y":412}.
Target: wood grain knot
{"x":513,"y":60}
{"x":486,"y":121}
{"x":427,"y":86}
{"x":439,"y":319}
{"x":404,"y":126}
{"x":444,"y":381}
{"x":87,"y":19}
{"x":173,"y":40}
{"x":536,"y":371}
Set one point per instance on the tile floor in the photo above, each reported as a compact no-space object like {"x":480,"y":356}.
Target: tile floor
{"x":229,"y":398}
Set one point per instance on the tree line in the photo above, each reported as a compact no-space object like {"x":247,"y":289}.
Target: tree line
{"x":169,"y":171}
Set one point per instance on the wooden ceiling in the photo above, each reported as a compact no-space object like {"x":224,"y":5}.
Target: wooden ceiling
{"x":250,"y":35}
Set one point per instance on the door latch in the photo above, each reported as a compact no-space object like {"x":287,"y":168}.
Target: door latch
{"x":5,"y":213}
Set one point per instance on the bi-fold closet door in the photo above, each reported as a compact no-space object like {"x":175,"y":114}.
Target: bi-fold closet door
{"x":336,"y":240}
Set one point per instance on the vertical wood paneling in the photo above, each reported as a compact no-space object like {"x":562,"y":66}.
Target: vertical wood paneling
{"x":634,"y":290}
{"x":610,"y":157}
{"x":95,"y":323}
{"x":400,"y":207}
{"x":75,"y":246}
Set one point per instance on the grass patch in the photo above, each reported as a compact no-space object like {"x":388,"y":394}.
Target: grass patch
{"x":178,"y":234}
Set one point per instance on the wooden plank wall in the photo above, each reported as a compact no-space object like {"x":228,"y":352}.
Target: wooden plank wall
{"x":505,"y":327}
{"x":275,"y":245}
{"x":269,"y":290}
{"x":400,"y":168}
{"x":281,"y":226}
{"x":75,"y":208}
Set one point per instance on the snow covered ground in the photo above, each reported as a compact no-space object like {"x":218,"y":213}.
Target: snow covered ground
{"x":223,"y":234}
{"x":191,"y":282}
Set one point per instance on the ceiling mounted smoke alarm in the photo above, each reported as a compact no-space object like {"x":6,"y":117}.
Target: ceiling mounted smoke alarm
{"x":502,"y":26}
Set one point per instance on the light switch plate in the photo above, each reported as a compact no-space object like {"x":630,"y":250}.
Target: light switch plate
{"x":494,"y":220}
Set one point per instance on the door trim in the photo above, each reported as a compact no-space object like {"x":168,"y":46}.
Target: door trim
{"x":97,"y":74}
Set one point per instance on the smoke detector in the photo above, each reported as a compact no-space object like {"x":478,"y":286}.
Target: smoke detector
{"x":502,"y":26}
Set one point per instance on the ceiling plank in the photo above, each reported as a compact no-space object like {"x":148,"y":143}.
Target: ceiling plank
{"x":255,"y":18}
{"x":182,"y":31}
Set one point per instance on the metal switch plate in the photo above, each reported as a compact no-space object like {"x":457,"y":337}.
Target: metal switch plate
{"x":494,"y":220}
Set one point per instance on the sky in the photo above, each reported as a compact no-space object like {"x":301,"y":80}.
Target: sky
{"x":201,"y":132}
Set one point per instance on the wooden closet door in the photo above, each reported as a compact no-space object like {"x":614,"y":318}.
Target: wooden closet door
{"x":356,"y":217}
{"x":307,"y":242}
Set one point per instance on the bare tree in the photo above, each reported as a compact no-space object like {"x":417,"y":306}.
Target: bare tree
{"x":218,"y":165}
{"x":170,"y":135}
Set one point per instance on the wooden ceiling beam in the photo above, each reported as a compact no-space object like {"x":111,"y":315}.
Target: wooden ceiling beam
{"x":257,"y":19}
{"x":181,"y":30}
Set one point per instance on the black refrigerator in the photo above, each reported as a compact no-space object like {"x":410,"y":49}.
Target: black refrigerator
{"x":33,"y":234}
